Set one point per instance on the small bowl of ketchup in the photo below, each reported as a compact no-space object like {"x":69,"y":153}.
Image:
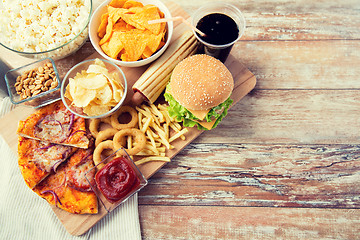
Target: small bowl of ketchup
{"x":117,"y":179}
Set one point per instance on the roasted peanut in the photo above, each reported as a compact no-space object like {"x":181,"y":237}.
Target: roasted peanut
{"x":35,"y":81}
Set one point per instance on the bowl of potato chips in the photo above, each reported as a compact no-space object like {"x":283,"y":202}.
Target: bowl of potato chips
{"x":120,"y":32}
{"x":94,"y":88}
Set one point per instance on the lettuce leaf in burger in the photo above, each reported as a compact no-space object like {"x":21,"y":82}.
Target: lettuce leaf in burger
{"x":199,"y":92}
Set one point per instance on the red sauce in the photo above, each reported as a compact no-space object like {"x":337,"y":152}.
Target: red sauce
{"x":116,"y":179}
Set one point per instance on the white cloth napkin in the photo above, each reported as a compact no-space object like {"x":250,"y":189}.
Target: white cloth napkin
{"x":24,"y":215}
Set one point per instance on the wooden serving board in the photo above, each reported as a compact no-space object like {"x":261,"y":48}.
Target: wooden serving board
{"x":78,"y":224}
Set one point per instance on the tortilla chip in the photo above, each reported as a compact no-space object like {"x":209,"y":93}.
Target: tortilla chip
{"x":147,"y":53}
{"x":113,"y":47}
{"x":131,"y":3}
{"x":154,"y":42}
{"x":129,"y":27}
{"x":121,"y":26}
{"x":125,"y":33}
{"x":103,"y":24}
{"x":134,"y":42}
{"x":149,"y":12}
{"x":115,"y":13}
{"x":128,"y":18}
{"x":108,"y":33}
{"x":117,"y":3}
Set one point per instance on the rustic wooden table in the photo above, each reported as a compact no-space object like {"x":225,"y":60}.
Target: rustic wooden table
{"x":284,"y":163}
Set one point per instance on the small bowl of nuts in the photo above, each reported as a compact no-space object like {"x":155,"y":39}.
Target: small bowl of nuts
{"x":35,"y":85}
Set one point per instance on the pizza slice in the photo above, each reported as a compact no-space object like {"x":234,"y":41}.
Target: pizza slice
{"x":37,"y":159}
{"x":55,"y":124}
{"x":68,"y":188}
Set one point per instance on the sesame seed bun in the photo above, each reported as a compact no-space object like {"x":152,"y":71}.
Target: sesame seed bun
{"x":201,"y":82}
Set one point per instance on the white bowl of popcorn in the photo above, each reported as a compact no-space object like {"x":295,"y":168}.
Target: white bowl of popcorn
{"x":44,"y":28}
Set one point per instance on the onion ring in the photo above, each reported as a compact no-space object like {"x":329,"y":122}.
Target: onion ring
{"x":120,"y":141}
{"x":100,"y":148}
{"x":106,"y":120}
{"x":94,"y":126}
{"x":115,"y":118}
{"x":106,"y":134}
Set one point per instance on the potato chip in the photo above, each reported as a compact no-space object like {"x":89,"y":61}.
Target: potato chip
{"x":104,"y":95}
{"x":117,"y":90}
{"x":97,"y":68}
{"x":93,"y":81}
{"x":82,"y":96}
{"x":95,"y":90}
{"x":96,"y":110}
{"x":113,"y":79}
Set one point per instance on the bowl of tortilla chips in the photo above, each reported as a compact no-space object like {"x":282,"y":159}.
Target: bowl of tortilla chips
{"x":120,"y":32}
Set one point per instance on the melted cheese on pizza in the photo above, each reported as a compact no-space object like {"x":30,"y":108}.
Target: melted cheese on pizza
{"x":48,"y":156}
{"x":54,"y":127}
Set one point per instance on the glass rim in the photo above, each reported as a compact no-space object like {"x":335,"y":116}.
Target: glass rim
{"x":230,"y":6}
{"x":58,"y":47}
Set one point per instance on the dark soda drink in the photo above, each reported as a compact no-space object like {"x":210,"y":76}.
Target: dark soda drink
{"x":219,"y":29}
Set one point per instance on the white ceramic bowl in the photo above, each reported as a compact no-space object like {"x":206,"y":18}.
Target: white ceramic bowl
{"x":94,"y":38}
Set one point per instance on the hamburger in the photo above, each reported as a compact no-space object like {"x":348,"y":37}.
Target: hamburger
{"x":199,"y":92}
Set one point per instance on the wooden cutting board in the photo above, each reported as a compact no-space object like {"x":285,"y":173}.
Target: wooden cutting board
{"x":78,"y":224}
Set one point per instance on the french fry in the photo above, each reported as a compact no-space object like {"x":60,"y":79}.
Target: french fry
{"x":179,"y":134}
{"x":152,"y":158}
{"x":152,"y":140}
{"x":177,"y":129}
{"x":140,"y":117}
{"x":158,"y":113}
{"x":146,"y":124}
{"x":129,"y":142}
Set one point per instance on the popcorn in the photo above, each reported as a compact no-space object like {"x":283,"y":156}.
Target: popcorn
{"x":32,"y":26}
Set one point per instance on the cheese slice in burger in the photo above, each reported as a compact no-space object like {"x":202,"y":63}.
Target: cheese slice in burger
{"x":199,"y":91}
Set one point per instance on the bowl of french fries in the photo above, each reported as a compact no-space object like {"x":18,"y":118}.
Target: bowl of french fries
{"x":94,"y":88}
{"x":121,"y":33}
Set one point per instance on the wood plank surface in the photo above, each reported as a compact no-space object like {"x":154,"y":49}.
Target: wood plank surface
{"x":288,"y":116}
{"x":315,"y":176}
{"x":218,"y":222}
{"x":284,"y":163}
{"x":302,"y":64}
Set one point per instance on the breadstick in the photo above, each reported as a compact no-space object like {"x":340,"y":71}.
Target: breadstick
{"x":154,"y":80}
